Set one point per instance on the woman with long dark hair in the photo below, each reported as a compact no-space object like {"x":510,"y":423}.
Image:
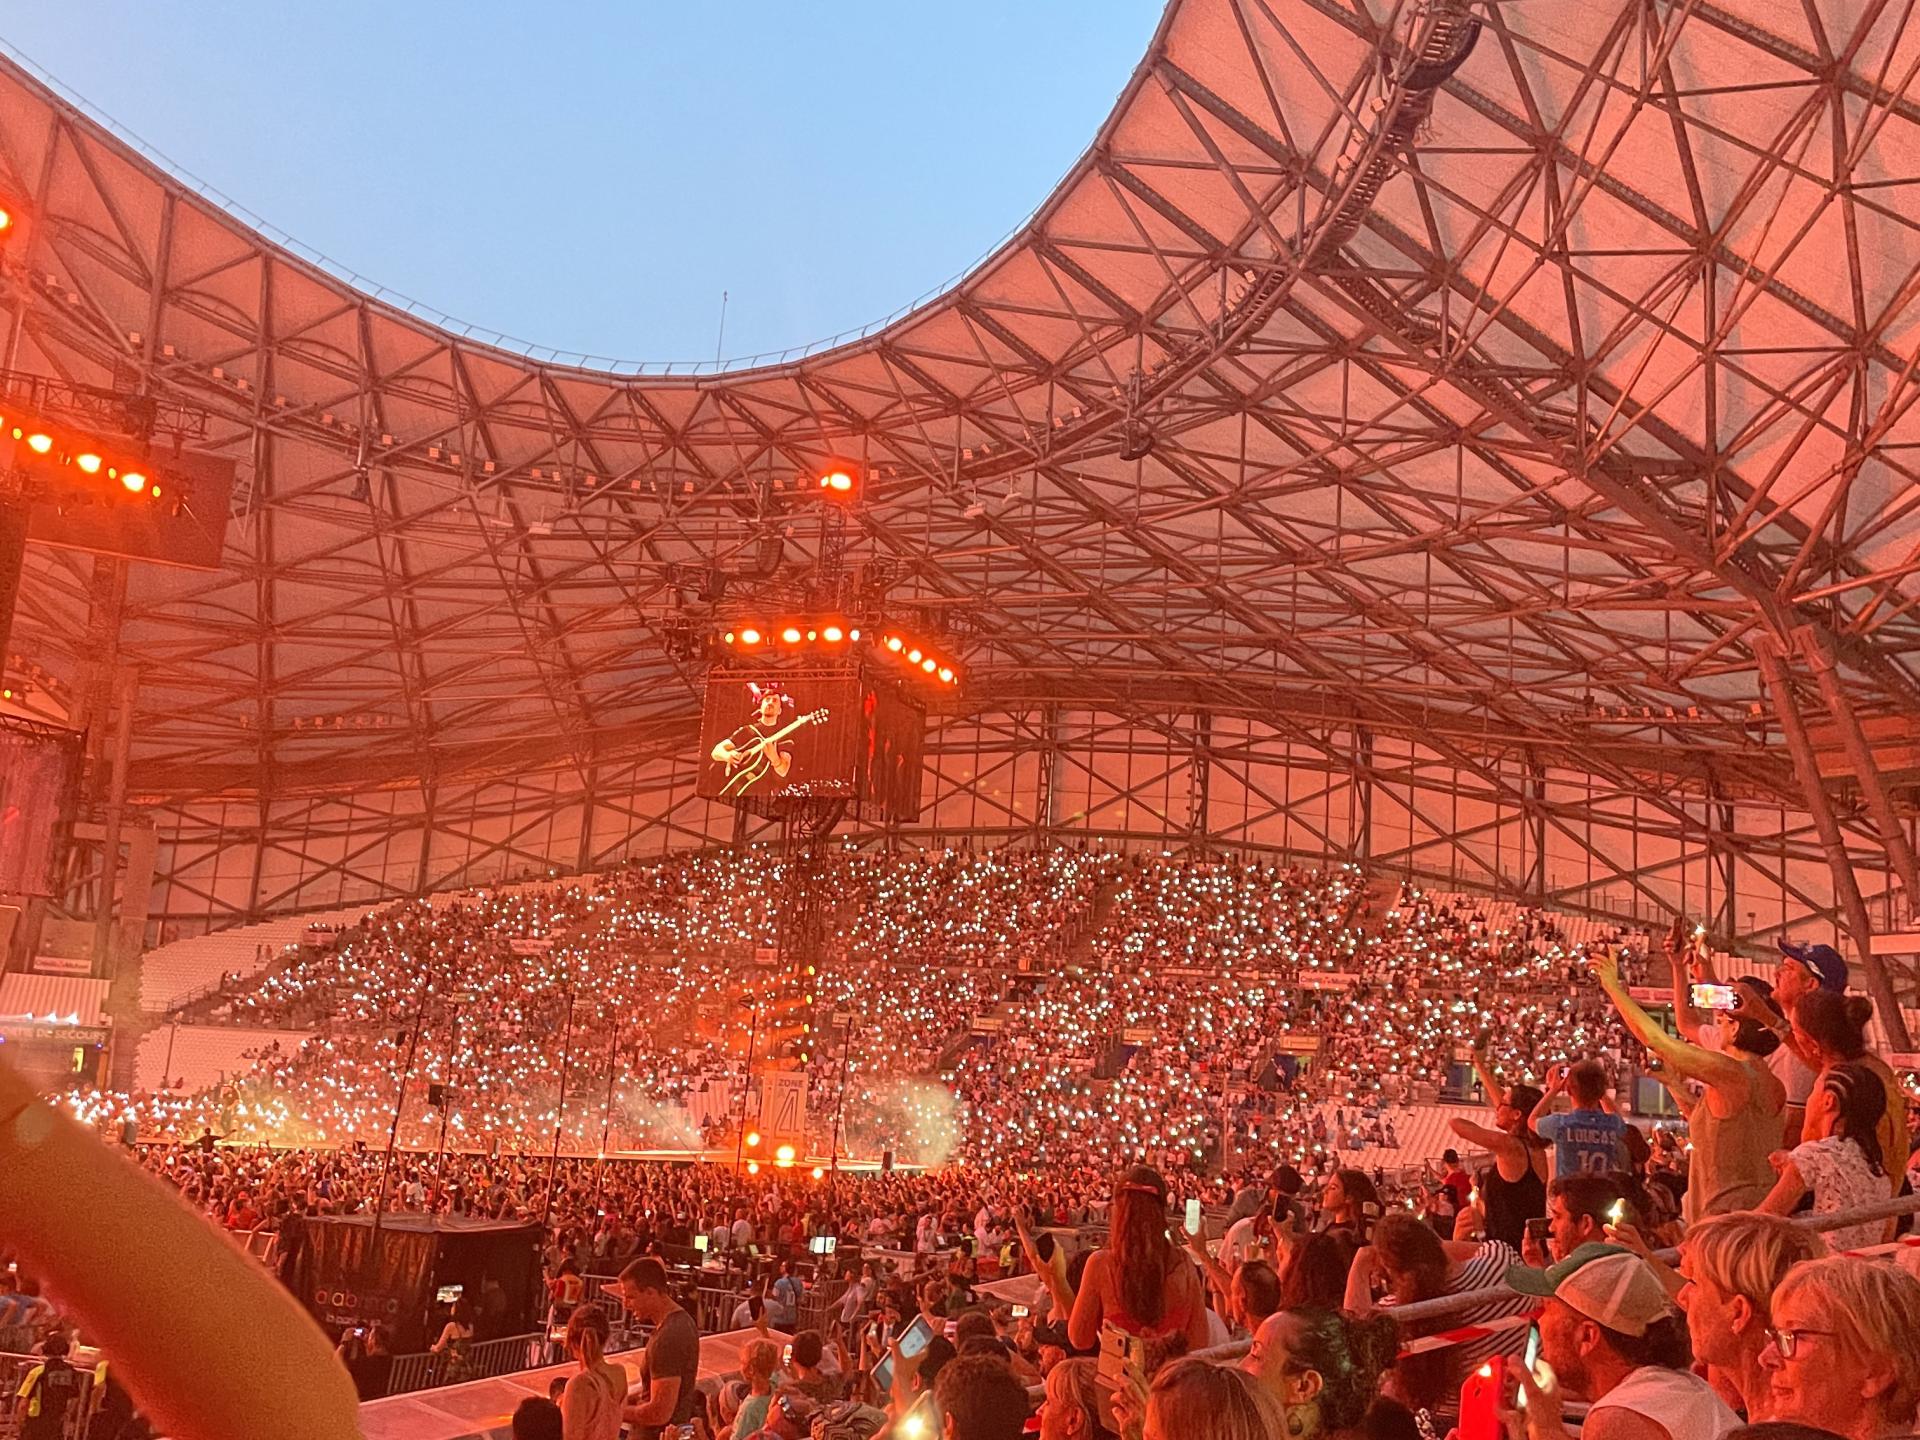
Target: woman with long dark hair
{"x":1139,"y":1281}
{"x":1349,"y":1204}
{"x":1830,"y":1029}
{"x":1407,"y":1262}
{"x":1840,"y":1161}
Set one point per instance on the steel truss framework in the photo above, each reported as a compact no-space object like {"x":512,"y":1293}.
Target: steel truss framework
{"x":1500,"y":402}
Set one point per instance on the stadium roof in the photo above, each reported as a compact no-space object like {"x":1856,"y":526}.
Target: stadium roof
{"x":1498,"y":384}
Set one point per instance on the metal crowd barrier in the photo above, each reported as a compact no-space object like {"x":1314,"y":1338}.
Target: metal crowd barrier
{"x":1448,"y":1306}
{"x":482,"y":1361}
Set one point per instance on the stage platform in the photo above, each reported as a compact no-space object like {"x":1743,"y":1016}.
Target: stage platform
{"x":483,"y":1409}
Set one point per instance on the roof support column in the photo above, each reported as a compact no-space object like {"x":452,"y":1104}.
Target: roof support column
{"x":1860,"y":760}
{"x":589,"y":797}
{"x":1845,"y":887}
{"x":1199,"y":822}
{"x":1536,"y":793}
{"x":1362,"y":779}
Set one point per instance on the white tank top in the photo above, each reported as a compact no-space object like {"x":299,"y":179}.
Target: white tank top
{"x":1677,"y":1400}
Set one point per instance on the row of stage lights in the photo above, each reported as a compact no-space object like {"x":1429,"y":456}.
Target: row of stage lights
{"x":45,"y":443}
{"x":914,"y":654}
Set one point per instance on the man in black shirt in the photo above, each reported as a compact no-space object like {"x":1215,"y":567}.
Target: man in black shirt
{"x":671,"y":1369}
{"x":47,"y":1394}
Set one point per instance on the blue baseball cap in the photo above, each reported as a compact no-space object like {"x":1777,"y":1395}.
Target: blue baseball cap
{"x":1823,"y":961}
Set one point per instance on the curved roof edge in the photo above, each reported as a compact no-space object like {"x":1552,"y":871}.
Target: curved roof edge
{"x":405,"y":308}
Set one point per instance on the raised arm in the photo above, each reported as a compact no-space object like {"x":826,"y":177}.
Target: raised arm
{"x":1689,"y":1062}
{"x":1489,"y":1077}
{"x":1498,"y":1142}
{"x":1687,"y":1019}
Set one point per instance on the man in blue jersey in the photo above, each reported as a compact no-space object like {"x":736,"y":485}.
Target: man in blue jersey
{"x":1589,"y":1139}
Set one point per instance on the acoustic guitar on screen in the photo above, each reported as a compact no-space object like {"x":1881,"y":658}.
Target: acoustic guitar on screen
{"x":751,"y":756}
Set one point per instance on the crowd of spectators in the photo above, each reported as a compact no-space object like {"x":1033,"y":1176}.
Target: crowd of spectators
{"x":1086,"y":1047}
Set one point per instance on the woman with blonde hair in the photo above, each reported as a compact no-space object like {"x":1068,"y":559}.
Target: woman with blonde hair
{"x":758,"y":1361}
{"x":1194,"y":1399}
{"x":1730,"y":1266}
{"x":1071,"y":1410}
{"x":590,"y":1405}
{"x":1846,"y":1348}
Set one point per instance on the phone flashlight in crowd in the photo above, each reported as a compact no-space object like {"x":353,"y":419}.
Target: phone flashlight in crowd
{"x":1617,"y":1212}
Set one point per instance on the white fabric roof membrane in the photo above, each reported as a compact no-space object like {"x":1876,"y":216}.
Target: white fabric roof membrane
{"x":1507,"y":368}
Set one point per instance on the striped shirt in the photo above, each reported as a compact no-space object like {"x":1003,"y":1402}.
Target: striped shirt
{"x":1485,"y":1268}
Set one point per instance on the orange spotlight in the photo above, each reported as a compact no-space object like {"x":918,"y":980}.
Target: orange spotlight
{"x":753,"y":1167}
{"x":831,"y":634}
{"x":729,"y":637}
{"x":913,"y":656}
{"x":946,"y":675}
{"x":134,"y":481}
{"x":6,"y":219}
{"x":753,"y":1139}
{"x":839,"y":481}
{"x":853,"y":634}
{"x":813,"y":634}
{"x":819,"y":1173}
{"x":39,"y":442}
{"x":783,"y":1157}
{"x":893,"y":643}
{"x":88,"y":461}
{"x":927,"y":665}
{"x":791,"y":635}
{"x":749,"y":636}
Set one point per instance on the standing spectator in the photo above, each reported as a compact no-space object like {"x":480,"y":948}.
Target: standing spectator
{"x":368,"y":1360}
{"x":1738,"y":1124}
{"x":1846,"y":1348}
{"x":47,"y":1393}
{"x":1349,"y":1204}
{"x":783,"y":1300}
{"x":1138,"y":1281}
{"x":451,"y":1347}
{"x":671,"y":1368}
{"x":1589,"y":1139}
{"x":1514,"y":1190}
{"x":1841,"y":1162}
{"x":1831,"y":1030}
{"x":590,"y":1405}
{"x":1806,"y":967}
{"x":1615,"y":1340}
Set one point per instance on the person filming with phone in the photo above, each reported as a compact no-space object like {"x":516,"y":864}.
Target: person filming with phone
{"x":1611,"y":1336}
{"x":1739,"y":1122}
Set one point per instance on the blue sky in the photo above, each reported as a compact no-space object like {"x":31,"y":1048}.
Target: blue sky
{"x":592,"y":176}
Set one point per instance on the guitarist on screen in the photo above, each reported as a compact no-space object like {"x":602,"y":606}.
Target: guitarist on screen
{"x":752,"y":752}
